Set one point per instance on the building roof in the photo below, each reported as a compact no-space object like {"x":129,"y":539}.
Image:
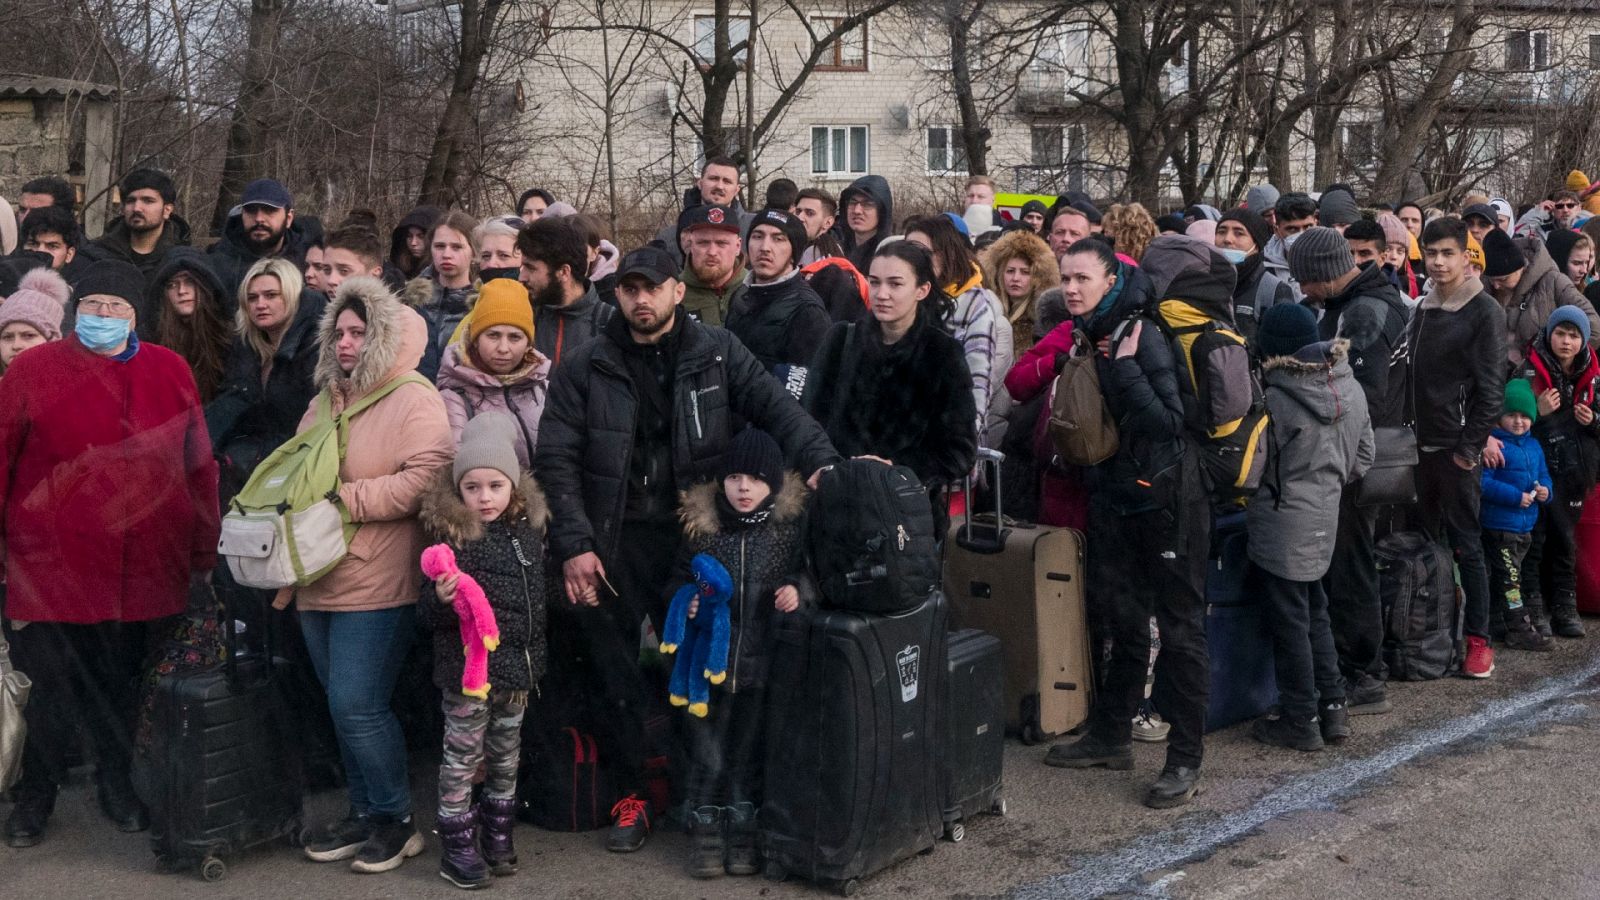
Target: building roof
{"x":17,"y":86}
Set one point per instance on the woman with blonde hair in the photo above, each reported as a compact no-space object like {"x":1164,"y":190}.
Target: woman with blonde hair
{"x":1017,"y":269}
{"x":1130,"y":227}
{"x":268,"y":384}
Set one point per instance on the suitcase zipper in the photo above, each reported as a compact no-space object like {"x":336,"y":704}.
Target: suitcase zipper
{"x":733,"y":661}
{"x":527,"y":606}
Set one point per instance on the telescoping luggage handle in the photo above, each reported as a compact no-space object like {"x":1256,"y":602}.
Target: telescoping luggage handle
{"x":230,"y":637}
{"x":981,"y":537}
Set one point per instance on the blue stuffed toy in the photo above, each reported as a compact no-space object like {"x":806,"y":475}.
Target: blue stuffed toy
{"x":703,"y":639}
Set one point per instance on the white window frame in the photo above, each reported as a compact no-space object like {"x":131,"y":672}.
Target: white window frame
{"x":703,"y":45}
{"x":846,"y":167}
{"x":1538,"y":47}
{"x":1052,"y":133}
{"x":952,"y":146}
{"x":818,"y":24}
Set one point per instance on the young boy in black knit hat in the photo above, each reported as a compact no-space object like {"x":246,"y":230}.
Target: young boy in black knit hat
{"x":752,"y":521}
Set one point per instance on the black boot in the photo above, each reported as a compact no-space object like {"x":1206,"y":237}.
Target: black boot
{"x":1176,"y":786}
{"x":121,"y":805}
{"x":25,"y":825}
{"x":460,"y":862}
{"x":706,"y":852}
{"x":1089,"y":751}
{"x":1497,"y":619}
{"x":1521,"y":635}
{"x":1533,"y":603}
{"x":1333,"y":716}
{"x":742,"y":857}
{"x":1564,"y":619}
{"x":1283,"y":731}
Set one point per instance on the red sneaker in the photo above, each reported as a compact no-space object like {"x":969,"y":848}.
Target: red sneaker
{"x":1480,"y":658}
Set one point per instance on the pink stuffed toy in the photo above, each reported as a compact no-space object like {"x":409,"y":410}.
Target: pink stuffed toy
{"x":479,"y":633}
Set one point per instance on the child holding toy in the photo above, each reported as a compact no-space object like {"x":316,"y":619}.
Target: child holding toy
{"x":492,"y":516}
{"x":752,"y":522}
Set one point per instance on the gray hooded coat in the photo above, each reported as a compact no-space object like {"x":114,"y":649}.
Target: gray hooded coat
{"x":1321,"y":440}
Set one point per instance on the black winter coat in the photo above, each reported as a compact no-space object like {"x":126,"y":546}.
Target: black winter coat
{"x":1458,"y":367}
{"x":559,"y":330}
{"x":507,"y":561}
{"x":781,"y":323}
{"x":586,"y":435}
{"x":248,"y":419}
{"x":909,"y":402}
{"x":761,"y":558}
{"x":117,"y":243}
{"x":1371,"y":315}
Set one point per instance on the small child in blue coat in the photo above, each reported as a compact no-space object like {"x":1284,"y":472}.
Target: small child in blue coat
{"x":1512,"y":494}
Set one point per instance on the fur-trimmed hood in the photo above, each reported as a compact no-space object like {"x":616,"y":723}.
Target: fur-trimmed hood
{"x":424,"y":291}
{"x":1317,"y":377}
{"x":697,"y":507}
{"x":447,"y":518}
{"x":396,"y":339}
{"x":1028,"y":247}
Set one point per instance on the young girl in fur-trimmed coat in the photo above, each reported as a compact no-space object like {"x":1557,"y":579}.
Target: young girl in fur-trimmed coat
{"x":752,"y":521}
{"x":493,"y":516}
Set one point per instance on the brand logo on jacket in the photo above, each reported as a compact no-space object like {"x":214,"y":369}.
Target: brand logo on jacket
{"x":909,"y":664}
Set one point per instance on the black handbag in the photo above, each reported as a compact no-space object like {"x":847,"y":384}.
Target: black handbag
{"x":1392,"y":480}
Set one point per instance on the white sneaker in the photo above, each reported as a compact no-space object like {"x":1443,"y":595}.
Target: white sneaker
{"x":1148,"y":727}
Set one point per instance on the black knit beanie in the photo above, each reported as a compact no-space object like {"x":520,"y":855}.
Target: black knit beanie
{"x":754,"y":452}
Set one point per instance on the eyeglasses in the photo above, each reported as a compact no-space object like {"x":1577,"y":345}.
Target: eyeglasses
{"x":1567,"y":205}
{"x":117,"y":308}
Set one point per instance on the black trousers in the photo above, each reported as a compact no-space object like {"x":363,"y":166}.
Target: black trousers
{"x":1448,"y":501}
{"x":1550,"y":567}
{"x":1355,"y":608}
{"x":604,"y":651}
{"x":727,"y":750}
{"x":1143,"y":565}
{"x":85,"y":682}
{"x":1506,"y":553}
{"x":1304,"y":660}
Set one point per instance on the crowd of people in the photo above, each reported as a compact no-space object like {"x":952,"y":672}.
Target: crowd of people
{"x":576,"y":423}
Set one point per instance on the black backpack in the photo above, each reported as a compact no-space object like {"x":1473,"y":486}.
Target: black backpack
{"x":872,"y":544}
{"x":1421,"y":613}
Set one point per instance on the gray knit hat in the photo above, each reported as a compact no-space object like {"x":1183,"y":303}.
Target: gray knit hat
{"x":1261,"y":199}
{"x":489,"y":441}
{"x":1319,"y":254}
{"x":1337,"y":208}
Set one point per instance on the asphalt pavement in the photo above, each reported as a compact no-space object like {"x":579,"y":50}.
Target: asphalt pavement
{"x":1468,"y":789}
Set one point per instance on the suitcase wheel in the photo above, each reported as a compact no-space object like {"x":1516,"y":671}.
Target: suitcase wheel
{"x":1032,"y":735}
{"x":775,"y":871}
{"x":213,"y":869}
{"x":848,"y":887}
{"x":955,"y":831}
{"x":1000,"y":806}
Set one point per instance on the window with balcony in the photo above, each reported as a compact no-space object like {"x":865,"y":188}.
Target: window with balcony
{"x":947,"y":155}
{"x":839,"y":150}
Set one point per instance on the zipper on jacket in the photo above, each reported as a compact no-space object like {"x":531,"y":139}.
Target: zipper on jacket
{"x":1463,"y":406}
{"x":694,"y":407}
{"x":527,"y":605}
{"x":733,"y":660}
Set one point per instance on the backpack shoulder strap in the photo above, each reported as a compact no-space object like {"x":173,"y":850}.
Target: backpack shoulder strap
{"x":342,"y":421}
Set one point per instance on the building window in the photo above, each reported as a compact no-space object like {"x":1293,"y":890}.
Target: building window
{"x":947,"y":154}
{"x":849,"y":52}
{"x":705,"y":38}
{"x":1048,"y":145}
{"x":1594,"y":51}
{"x":1077,"y":155}
{"x":1527,"y":50}
{"x":1359,"y":142}
{"x":839,"y":150}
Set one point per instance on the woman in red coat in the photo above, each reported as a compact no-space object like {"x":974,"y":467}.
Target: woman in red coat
{"x":108,"y":501}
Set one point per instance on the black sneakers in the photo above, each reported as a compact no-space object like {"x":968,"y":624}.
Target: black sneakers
{"x":1282,"y":731}
{"x":630,"y":825}
{"x":1089,"y":751}
{"x":336,"y":840}
{"x":122,"y":806}
{"x":1334,"y":717}
{"x":25,"y":825}
{"x":706,"y":847}
{"x":1368,"y":697}
{"x":392,"y":842}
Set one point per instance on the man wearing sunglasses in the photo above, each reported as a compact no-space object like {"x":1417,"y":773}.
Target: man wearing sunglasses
{"x":1565,"y":209}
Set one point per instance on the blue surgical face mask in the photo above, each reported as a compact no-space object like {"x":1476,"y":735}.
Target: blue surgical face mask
{"x":102,"y":333}
{"x":1233,"y":256}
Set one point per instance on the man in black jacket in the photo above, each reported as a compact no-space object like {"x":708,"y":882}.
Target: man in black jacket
{"x":147,"y":228}
{"x":1361,"y":306}
{"x":262,"y":225}
{"x":1457,"y":339}
{"x":779,"y":317}
{"x":567,"y":312}
{"x":636,"y":415}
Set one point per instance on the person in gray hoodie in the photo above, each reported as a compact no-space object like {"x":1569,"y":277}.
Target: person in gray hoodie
{"x":1321,"y":440}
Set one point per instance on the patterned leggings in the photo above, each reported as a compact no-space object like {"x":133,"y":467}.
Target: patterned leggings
{"x":480,"y":733}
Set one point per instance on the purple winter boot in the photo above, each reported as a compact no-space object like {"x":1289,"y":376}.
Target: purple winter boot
{"x":498,"y":817}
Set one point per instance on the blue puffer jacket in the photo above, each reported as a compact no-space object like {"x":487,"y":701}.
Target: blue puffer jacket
{"x":1503,"y":487}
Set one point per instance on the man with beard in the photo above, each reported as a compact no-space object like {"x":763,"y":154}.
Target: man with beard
{"x":714,"y":277}
{"x":261,"y":226}
{"x":147,"y":228}
{"x":718,"y":185}
{"x":567,"y":312}
{"x":613,"y":491}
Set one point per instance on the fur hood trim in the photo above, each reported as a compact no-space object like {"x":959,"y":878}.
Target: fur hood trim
{"x":1338,"y":349}
{"x":697,"y":507}
{"x":396,"y":338}
{"x":446,"y":518}
{"x":1027,"y":246}
{"x":420,"y":292}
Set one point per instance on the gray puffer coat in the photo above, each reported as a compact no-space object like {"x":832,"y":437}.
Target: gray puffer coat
{"x":1320,"y":440}
{"x":506,"y":558}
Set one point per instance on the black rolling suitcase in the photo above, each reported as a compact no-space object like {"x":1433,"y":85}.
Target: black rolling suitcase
{"x":223,"y":763}
{"x":854,"y":766}
{"x":975,"y":729}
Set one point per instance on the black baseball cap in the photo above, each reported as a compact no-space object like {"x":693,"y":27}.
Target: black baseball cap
{"x":266,"y":192}
{"x":1483,"y":211}
{"x":650,"y":262}
{"x":722,"y":218}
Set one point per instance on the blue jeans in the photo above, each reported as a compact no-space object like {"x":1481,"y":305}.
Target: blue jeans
{"x":358,"y":656}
